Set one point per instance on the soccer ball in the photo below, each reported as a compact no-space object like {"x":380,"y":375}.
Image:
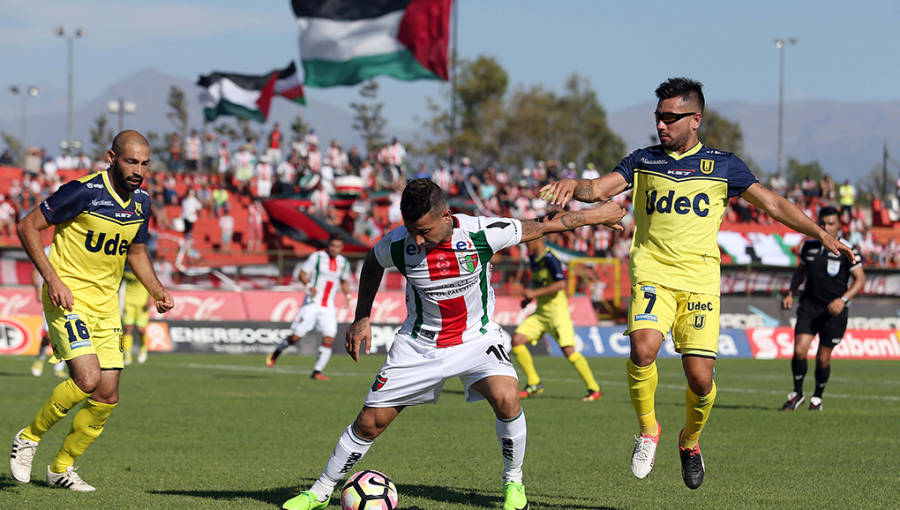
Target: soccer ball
{"x":369,"y":490}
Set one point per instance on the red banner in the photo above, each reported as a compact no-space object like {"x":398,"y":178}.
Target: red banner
{"x":778,"y":343}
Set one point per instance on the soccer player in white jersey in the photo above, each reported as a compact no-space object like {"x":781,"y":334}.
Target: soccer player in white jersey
{"x":321,"y":273}
{"x":448,"y":331}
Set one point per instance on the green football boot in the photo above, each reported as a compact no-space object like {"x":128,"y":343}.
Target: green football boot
{"x":309,"y":501}
{"x":514,"y":496}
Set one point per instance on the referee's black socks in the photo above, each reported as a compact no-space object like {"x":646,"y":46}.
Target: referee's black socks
{"x":821,"y":379}
{"x":798,"y":367}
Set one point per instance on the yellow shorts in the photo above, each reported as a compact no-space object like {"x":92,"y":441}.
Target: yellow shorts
{"x":557,"y":323}
{"x":75,"y":333}
{"x":693,"y":318}
{"x":137,"y":314}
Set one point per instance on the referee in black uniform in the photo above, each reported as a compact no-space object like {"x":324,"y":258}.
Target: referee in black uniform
{"x":823,"y":307}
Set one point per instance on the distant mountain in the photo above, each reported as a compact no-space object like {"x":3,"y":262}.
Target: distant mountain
{"x":845,"y":138}
{"x":149,"y":89}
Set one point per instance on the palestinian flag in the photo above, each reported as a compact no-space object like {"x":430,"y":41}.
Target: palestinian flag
{"x":343,"y":42}
{"x":247,"y":96}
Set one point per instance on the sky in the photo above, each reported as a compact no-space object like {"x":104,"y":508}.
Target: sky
{"x":846,"y":51}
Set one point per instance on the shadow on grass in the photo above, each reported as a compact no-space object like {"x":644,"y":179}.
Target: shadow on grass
{"x":238,"y":376}
{"x":477,"y":499}
{"x":756,"y":408}
{"x":275,"y":496}
{"x":8,"y":482}
{"x":543,"y":396}
{"x":15,"y":374}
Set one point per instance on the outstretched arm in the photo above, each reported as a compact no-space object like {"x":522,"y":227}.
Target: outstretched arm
{"x":789,"y":215}
{"x":141,"y":266}
{"x":584,"y":190}
{"x":361,"y":331}
{"x":608,"y":214}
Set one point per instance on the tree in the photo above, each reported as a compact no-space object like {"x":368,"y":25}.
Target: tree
{"x":720,"y":133}
{"x":299,"y":128}
{"x":227,"y":131}
{"x":869,"y":186}
{"x":247,"y":132}
{"x":14,"y":145}
{"x":101,"y":137}
{"x":481,"y":87}
{"x":179,"y":111}
{"x":796,"y":171}
{"x":369,"y":121}
{"x":569,"y":127}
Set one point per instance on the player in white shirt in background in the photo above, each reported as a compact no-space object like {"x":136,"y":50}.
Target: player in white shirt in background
{"x":448,"y":332}
{"x":321,"y":273}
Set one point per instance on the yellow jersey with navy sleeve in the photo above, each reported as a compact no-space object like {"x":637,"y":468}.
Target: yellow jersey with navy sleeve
{"x":545,"y":270}
{"x":94,"y":230}
{"x":679,"y":202}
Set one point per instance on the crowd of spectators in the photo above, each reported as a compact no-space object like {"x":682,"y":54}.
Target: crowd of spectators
{"x":205,"y":170}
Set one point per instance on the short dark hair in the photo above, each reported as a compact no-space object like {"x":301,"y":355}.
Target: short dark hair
{"x":336,"y":236}
{"x":690,"y":91}
{"x":420,"y":197}
{"x":828,"y":211}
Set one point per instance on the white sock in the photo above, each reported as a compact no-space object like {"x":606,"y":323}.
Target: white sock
{"x":322,"y":360}
{"x":512,"y":434}
{"x":59,"y":366}
{"x":347,"y":452}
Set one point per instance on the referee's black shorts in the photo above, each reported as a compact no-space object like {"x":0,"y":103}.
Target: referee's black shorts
{"x":814,"y":319}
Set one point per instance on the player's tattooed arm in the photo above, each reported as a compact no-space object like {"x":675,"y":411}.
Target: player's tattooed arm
{"x":584,"y":191}
{"x":609,"y":214}
{"x":369,"y":281}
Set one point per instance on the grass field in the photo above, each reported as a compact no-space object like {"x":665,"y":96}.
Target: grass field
{"x":223,"y":432}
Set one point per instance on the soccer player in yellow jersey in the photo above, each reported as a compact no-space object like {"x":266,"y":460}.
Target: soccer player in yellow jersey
{"x":681,"y":189}
{"x":101,"y":221}
{"x":135,"y":316}
{"x":552,"y":316}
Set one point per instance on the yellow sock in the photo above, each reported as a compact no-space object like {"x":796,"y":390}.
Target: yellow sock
{"x":143,"y":341}
{"x":127,"y":343}
{"x":523,"y":356}
{"x":584,"y":370}
{"x":698,"y":409}
{"x":87,"y":425}
{"x":642,"y":388}
{"x":64,"y":397}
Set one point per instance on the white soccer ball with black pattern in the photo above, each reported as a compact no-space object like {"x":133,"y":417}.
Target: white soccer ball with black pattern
{"x":369,"y":490}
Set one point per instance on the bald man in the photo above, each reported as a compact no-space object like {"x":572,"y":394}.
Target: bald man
{"x":101,"y":222}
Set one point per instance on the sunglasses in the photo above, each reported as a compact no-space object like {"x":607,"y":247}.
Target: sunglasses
{"x":670,"y":117}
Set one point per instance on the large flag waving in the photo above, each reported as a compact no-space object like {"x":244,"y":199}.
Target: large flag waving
{"x":343,"y":42}
{"x":248,"y":96}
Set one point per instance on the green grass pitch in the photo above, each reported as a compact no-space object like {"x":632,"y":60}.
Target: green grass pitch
{"x":224,"y":432}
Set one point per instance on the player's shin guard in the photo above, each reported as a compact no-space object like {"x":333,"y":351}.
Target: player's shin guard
{"x":642,"y":383}
{"x":822,"y":374}
{"x":523,"y":357}
{"x":798,"y":367}
{"x":322,"y":359}
{"x":64,"y":397}
{"x":584,"y":370}
{"x":512,"y":435}
{"x":284,"y":344}
{"x":86,"y":427}
{"x":347,"y":452}
{"x":698,"y":409}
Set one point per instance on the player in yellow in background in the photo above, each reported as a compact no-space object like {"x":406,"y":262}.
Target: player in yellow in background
{"x":681,"y":190}
{"x":100,"y":222}
{"x":135,"y":316}
{"x":37,"y":368}
{"x":552,"y":316}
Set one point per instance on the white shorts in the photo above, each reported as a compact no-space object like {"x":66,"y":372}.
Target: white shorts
{"x":322,"y":318}
{"x":414,"y":372}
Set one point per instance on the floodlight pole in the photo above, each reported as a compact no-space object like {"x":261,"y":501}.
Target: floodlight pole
{"x":780,"y":43}
{"x":884,"y":173}
{"x":453,"y":85}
